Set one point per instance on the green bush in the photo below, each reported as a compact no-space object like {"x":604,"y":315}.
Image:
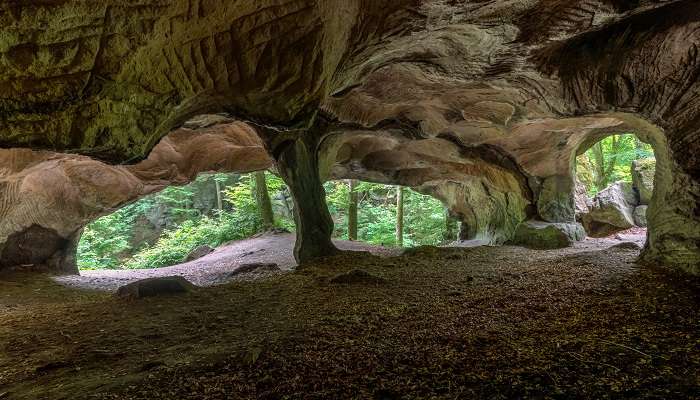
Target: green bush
{"x":106,"y":243}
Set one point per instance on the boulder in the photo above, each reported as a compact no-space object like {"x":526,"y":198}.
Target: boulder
{"x":155,"y":287}
{"x":643,"y":179}
{"x":640,"y":216}
{"x":582,"y":202}
{"x":548,"y":235}
{"x":198,"y":253}
{"x":612,"y":210}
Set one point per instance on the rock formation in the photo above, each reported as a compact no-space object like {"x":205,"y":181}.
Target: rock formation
{"x":643,"y":179}
{"x":482,"y":101}
{"x":613,"y":210}
{"x":48,"y":197}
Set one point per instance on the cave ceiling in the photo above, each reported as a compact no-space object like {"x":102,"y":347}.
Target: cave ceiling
{"x":109,"y":79}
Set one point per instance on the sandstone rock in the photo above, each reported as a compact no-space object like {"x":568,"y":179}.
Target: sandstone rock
{"x":495,"y":98}
{"x":643,"y":179}
{"x":640,"y":216}
{"x":49,"y":197}
{"x":548,"y":235}
{"x":155,"y":287}
{"x":198,"y":253}
{"x":612,"y":210}
{"x":582,"y":202}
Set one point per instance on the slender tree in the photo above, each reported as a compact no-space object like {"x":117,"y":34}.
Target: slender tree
{"x":262,"y":197}
{"x":352,"y":210}
{"x":604,"y":166}
{"x":399,"y":216}
{"x":450,"y":233}
{"x":219,"y":200}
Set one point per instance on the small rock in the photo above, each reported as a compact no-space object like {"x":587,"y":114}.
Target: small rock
{"x":357,"y":276}
{"x":155,"y":287}
{"x":547,"y":235}
{"x":428,"y":251}
{"x":198,"y":253}
{"x":255,"y":267}
{"x":627,"y":246}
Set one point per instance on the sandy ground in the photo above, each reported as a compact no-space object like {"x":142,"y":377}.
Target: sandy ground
{"x":215,"y":268}
{"x":436,"y":323}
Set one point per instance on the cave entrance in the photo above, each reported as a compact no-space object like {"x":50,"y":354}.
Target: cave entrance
{"x":185,"y":223}
{"x":182,"y":223}
{"x":388,"y":215}
{"x":614,"y":185}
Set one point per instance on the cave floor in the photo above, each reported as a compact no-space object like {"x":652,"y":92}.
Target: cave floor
{"x":485,"y":322}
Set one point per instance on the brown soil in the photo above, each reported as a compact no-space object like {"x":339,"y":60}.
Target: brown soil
{"x":216,"y":268}
{"x":584,"y":322}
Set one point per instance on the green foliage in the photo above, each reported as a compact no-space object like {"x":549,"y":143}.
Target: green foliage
{"x":609,"y":161}
{"x":107,"y":242}
{"x":174,"y":245}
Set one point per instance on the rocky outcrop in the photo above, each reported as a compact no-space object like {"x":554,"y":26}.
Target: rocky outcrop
{"x":640,"y":216}
{"x":517,"y":87}
{"x":151,"y":287}
{"x":612,"y":210}
{"x":643,"y":172}
{"x":48,"y":197}
{"x":548,"y":235}
{"x":582,"y":202}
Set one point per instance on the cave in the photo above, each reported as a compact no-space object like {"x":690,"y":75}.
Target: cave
{"x":484,"y":106}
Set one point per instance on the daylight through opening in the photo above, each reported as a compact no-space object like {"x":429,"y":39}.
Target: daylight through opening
{"x":614,"y":186}
{"x":185,"y":223}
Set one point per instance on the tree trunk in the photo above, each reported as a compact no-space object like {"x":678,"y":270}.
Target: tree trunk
{"x":399,"y":216}
{"x":219,"y":200}
{"x":599,"y":166}
{"x":450,"y":233}
{"x":262,"y":197}
{"x":297,"y":162}
{"x":352,"y":211}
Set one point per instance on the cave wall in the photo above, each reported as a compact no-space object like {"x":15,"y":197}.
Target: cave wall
{"x":513,"y":88}
{"x":47,"y":198}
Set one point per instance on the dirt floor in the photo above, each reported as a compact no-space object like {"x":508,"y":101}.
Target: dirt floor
{"x":216,"y":267}
{"x":484,"y":322}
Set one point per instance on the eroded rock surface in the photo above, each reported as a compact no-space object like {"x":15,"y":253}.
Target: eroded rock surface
{"x":548,"y":235}
{"x":612,"y":210}
{"x":643,"y":172}
{"x":484,"y":104}
{"x":48,"y":197}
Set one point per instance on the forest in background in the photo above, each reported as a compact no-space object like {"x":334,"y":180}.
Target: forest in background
{"x":162,"y":229}
{"x":609,"y":161}
{"x":241,"y":206}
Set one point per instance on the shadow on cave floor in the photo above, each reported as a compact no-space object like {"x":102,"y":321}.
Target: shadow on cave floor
{"x":485,"y":322}
{"x":216,"y":268}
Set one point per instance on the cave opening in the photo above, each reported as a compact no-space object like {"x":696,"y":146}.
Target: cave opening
{"x":181,"y":224}
{"x":614,"y":186}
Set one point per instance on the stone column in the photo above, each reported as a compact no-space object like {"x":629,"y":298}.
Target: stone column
{"x":297,"y":161}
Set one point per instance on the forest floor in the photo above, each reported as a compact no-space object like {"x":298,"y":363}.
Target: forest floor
{"x":442,"y":323}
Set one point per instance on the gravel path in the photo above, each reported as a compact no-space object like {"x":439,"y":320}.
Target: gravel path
{"x":216,"y":268}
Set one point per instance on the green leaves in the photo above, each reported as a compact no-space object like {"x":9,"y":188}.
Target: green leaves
{"x":109,"y":242}
{"x":609,"y":161}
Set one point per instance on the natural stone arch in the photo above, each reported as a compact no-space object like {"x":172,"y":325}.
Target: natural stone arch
{"x":490,"y":197}
{"x":673,"y":236}
{"x":49,"y":197}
